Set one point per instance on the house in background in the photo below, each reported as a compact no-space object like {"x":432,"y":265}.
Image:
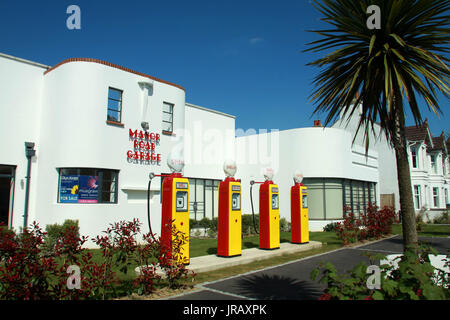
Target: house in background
{"x":430,"y":171}
{"x":429,"y":166}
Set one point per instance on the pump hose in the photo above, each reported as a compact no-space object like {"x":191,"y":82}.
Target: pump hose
{"x":148,"y":209}
{"x":251,"y":201}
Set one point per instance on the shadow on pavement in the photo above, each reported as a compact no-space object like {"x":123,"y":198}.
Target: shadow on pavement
{"x":275,"y":287}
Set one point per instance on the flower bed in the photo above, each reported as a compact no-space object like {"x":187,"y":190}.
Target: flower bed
{"x":28,"y":271}
{"x":372,"y":224}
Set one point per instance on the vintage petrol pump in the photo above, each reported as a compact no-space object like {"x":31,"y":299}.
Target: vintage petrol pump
{"x":229,"y":242}
{"x":175,"y":211}
{"x":269,"y":213}
{"x":299,"y":211}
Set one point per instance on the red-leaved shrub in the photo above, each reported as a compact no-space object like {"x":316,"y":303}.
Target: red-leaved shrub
{"x":371,"y":224}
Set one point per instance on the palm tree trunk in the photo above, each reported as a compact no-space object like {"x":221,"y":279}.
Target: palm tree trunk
{"x":410,"y":239}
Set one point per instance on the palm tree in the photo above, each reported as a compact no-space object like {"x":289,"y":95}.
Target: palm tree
{"x":382,"y":69}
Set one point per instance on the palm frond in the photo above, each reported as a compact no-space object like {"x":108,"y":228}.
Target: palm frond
{"x":387,"y":68}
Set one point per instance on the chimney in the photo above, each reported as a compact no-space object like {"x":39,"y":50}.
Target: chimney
{"x":317,"y":123}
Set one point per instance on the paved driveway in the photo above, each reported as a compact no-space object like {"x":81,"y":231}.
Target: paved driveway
{"x":291,"y":281}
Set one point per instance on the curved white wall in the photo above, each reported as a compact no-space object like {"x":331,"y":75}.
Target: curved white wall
{"x":316,"y":152}
{"x":74,"y":133}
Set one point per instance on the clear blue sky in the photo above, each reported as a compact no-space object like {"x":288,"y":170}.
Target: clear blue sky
{"x":240,"y":57}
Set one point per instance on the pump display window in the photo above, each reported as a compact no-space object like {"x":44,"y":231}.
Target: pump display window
{"x":236,"y":201}
{"x":275,"y":201}
{"x":182,"y":201}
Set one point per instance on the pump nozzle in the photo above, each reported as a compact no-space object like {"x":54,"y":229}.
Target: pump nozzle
{"x":252,"y":182}
{"x":150,"y":177}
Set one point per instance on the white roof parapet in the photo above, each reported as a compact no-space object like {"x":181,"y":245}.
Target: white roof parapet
{"x":210,"y":110}
{"x":7,"y":56}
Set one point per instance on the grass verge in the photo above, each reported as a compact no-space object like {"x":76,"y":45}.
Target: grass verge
{"x":427,"y":230}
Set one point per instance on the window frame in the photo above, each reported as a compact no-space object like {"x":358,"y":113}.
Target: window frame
{"x":108,"y":109}
{"x":164,"y":121}
{"x":434,"y":168}
{"x":97,"y":172}
{"x":435,"y":197}
{"x":417,"y":197}
{"x":414,"y":159}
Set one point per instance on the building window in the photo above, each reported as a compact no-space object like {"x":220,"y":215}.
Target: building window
{"x":414,"y":156}
{"x":417,"y":197}
{"x":436,"y":197}
{"x":87,"y":185}
{"x":327,"y":197}
{"x":114,"y":113}
{"x":203,"y":198}
{"x":167,"y":118}
{"x":434,"y":163}
{"x":445,"y":165}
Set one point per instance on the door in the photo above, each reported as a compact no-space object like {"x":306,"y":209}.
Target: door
{"x":6,"y":194}
{"x":387,"y":200}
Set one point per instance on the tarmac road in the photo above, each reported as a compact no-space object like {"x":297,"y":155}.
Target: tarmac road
{"x":292,"y":281}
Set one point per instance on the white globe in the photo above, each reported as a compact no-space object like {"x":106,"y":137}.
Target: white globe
{"x":229,"y":167}
{"x":268,"y":173}
{"x":175,"y":162}
{"x":298,"y":176}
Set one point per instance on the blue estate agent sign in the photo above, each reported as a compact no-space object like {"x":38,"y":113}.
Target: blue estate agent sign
{"x":88,"y":192}
{"x":68,"y":191}
{"x":78,"y":189}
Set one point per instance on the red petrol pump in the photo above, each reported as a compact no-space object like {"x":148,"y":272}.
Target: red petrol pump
{"x":175,"y":211}
{"x":269,"y":213}
{"x":299,"y":211}
{"x":229,"y":239}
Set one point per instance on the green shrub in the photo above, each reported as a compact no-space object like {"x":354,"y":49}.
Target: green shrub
{"x":412,"y":280}
{"x":247,"y":224}
{"x":442,"y":219}
{"x":204,"y":223}
{"x":211,"y":226}
{"x":56,"y":232}
{"x":285,"y":226}
{"x":330,"y":227}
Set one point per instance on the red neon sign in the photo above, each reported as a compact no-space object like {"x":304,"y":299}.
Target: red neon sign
{"x":144,"y":145}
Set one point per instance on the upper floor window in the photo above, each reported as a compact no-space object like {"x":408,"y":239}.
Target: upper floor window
{"x":414,"y":156}
{"x":434,"y":163}
{"x":445,"y":161}
{"x":167,"y":118}
{"x":114,"y":113}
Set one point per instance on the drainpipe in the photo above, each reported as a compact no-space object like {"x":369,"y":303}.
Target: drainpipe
{"x":29,"y":153}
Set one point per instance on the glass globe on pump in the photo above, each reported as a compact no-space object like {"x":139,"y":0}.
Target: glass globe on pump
{"x":175,"y":162}
{"x":298,"y":176}
{"x":229,"y":167}
{"x":268,"y":174}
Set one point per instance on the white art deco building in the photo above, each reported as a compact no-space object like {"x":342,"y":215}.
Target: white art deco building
{"x":79,"y":139}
